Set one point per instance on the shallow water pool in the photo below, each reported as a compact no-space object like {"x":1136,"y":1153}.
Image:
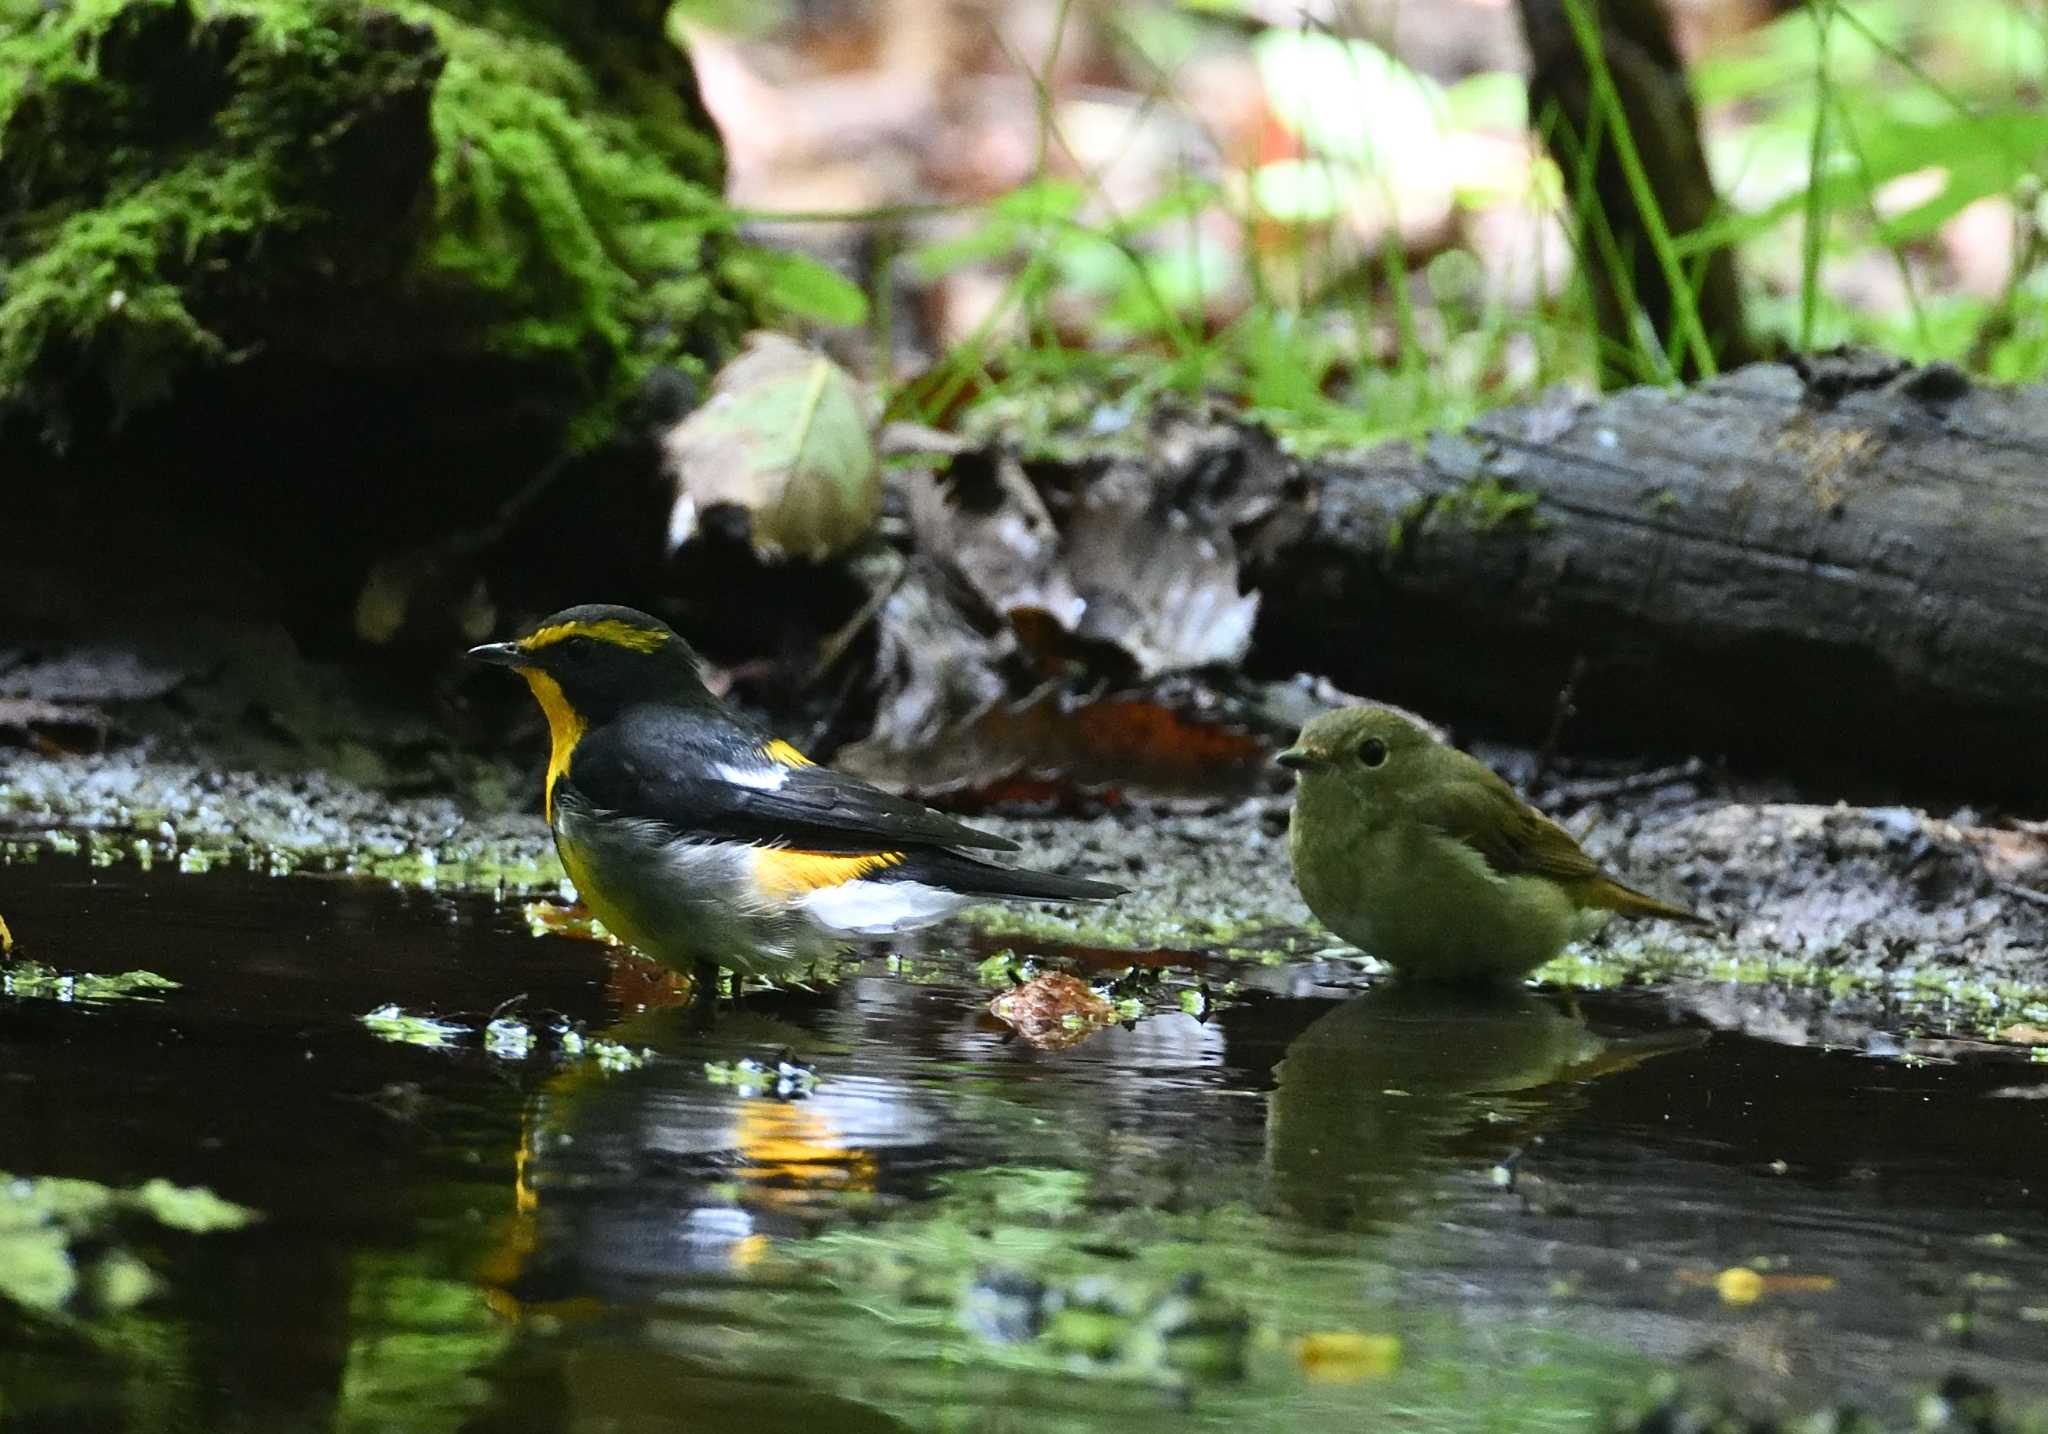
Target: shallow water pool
{"x":1305,"y":1202}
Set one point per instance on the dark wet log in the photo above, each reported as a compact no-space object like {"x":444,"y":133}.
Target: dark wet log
{"x":1827,"y":569}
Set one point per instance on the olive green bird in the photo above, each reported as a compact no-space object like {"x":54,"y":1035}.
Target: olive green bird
{"x":1425,"y":858}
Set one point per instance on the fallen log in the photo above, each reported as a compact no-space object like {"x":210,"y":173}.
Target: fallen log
{"x":1835,"y":567}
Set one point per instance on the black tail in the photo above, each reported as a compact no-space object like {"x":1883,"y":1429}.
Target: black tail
{"x":971,"y":877}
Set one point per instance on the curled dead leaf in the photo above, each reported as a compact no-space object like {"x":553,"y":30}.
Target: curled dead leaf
{"x":1049,"y":746}
{"x":52,"y":726}
{"x":1130,"y":570}
{"x":548,"y":918}
{"x":788,"y":437}
{"x":1053,"y":1011}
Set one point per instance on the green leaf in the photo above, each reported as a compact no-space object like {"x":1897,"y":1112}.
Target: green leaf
{"x":982,"y":244}
{"x":1302,"y":191}
{"x":1042,"y":201}
{"x":1351,"y":100}
{"x":787,"y":435}
{"x":798,"y":284}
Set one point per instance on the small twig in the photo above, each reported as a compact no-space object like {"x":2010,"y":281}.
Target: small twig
{"x":2024,"y":893}
{"x":1559,"y":715}
{"x":886,"y":573}
{"x":1600,"y":789}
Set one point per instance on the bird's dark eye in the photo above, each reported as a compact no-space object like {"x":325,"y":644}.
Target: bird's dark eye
{"x":1372,"y":751}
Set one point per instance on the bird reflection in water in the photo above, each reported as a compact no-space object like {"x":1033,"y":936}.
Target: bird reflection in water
{"x":629,"y":1178}
{"x":1390,"y":1092}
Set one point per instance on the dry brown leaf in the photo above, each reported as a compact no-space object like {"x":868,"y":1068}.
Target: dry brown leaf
{"x":1102,"y":750}
{"x":1157,"y":579}
{"x":985,"y":521}
{"x":57,"y":726}
{"x":1053,"y":1011}
{"x":549,"y":918}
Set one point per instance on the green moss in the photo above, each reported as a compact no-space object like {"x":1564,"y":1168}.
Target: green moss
{"x":150,"y":158}
{"x":182,"y":186}
{"x":582,"y":225}
{"x":1486,"y":505}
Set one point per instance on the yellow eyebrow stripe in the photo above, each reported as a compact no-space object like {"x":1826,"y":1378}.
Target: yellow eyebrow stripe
{"x":784,"y":873}
{"x":781,"y":752}
{"x":611,"y":630}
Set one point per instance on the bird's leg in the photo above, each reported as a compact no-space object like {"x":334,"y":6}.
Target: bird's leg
{"x":704,"y":994}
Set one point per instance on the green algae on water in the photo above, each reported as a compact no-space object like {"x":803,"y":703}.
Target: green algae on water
{"x":33,"y":981}
{"x":391,"y":1023}
{"x":57,"y":1239}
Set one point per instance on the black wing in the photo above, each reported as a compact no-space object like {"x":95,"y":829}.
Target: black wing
{"x":706,"y":775}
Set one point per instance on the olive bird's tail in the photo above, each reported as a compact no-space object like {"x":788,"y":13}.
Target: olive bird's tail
{"x":1610,"y":895}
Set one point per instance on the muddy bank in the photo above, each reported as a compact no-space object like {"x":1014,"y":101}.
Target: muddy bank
{"x":1838,"y":899}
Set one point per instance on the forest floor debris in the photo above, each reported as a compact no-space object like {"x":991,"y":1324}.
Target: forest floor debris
{"x":1881,"y":902}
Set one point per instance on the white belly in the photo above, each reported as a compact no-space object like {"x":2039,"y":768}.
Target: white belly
{"x":685,"y":902}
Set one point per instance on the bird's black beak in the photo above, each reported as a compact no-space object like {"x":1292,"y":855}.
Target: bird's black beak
{"x":499,"y":654}
{"x":1295,"y":759}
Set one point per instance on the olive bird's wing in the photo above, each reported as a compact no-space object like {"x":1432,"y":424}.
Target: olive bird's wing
{"x":1484,"y":812}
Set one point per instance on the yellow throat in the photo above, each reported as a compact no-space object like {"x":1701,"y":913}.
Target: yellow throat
{"x":565,"y":727}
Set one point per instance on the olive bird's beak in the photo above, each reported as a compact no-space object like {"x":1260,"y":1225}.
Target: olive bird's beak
{"x":1296,"y":759}
{"x":499,"y":654}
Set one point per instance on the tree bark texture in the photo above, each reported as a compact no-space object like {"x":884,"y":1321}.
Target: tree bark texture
{"x":1835,"y":566}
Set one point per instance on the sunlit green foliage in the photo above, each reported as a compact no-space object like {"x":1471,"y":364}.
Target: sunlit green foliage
{"x":1905,"y":115}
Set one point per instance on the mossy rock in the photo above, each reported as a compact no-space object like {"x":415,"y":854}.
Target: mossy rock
{"x":342,"y":270}
{"x":185,"y":186}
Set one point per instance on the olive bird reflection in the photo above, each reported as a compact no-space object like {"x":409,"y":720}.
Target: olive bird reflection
{"x":1399,"y":1087}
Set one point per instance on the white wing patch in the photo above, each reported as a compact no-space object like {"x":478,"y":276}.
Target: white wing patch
{"x":871,"y":908}
{"x":761,"y":779}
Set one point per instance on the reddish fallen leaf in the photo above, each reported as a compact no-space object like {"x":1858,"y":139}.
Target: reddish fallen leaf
{"x":551,"y":918}
{"x":1094,"y":754}
{"x":1053,"y":1011}
{"x":633,"y":982}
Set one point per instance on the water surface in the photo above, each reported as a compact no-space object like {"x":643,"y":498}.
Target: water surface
{"x":870,"y":1205}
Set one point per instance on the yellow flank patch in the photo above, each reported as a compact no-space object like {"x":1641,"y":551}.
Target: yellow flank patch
{"x":782,"y":872}
{"x":780,"y":751}
{"x":611,"y":630}
{"x":565,"y":727}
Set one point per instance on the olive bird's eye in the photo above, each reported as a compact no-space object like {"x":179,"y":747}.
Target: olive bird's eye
{"x":1372,"y":751}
